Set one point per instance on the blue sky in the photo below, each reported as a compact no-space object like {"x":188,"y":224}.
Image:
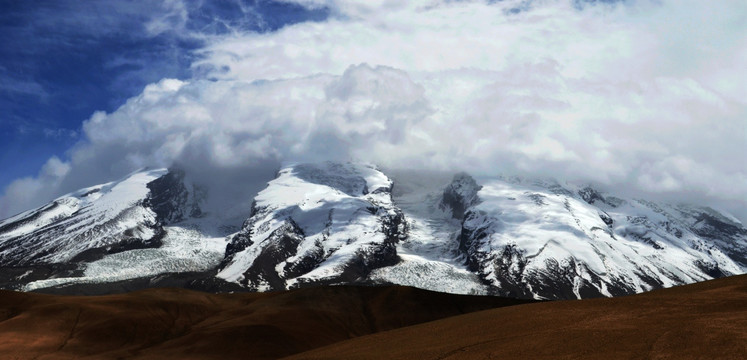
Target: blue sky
{"x":62,"y":60}
{"x":642,"y":97}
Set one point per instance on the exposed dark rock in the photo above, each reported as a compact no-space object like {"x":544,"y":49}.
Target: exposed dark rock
{"x":509,"y":266}
{"x":238,"y":243}
{"x":305,"y":264}
{"x":281,"y":244}
{"x":563,"y":281}
{"x":366,"y":260}
{"x":538,"y":199}
{"x":171,"y":200}
{"x":649,"y":241}
{"x":376,"y":256}
{"x":590,"y":195}
{"x":460,"y":194}
{"x":16,"y":277}
{"x":394,"y":226}
{"x":126,"y":243}
{"x":557,"y":189}
{"x":469,"y":238}
{"x":712,"y":269}
{"x":708,"y":225}
{"x":354,"y":271}
{"x":721,"y":231}
{"x":606,"y":218}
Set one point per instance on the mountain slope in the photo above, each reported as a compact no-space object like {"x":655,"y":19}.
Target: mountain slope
{"x":698,"y":321}
{"x":119,"y":230}
{"x":430,"y":257}
{"x":540,"y":239}
{"x":83,"y":224}
{"x":183,"y":324}
{"x":316,"y":224}
{"x":705,"y":320}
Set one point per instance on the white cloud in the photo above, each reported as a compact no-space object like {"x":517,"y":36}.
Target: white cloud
{"x":642,"y":96}
{"x":173,"y":17}
{"x":30,"y":190}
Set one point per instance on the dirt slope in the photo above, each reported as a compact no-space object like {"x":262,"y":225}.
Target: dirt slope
{"x":707,"y":320}
{"x":703,"y":321}
{"x":183,"y":324}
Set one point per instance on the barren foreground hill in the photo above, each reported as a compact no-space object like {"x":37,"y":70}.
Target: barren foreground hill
{"x":700,"y":321}
{"x":185,"y":324}
{"x":705,"y":320}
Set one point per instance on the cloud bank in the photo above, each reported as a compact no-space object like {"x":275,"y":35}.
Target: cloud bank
{"x":641,"y":96}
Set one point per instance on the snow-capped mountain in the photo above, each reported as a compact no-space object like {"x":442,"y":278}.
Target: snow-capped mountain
{"x":85,"y":224}
{"x":317,"y":224}
{"x":343,"y":223}
{"x":543,"y":240}
{"x":131,"y":228}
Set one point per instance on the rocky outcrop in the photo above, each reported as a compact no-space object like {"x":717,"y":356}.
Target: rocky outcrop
{"x":460,"y":194}
{"x":172,"y":199}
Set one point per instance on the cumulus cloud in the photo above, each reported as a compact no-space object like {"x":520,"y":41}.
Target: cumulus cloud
{"x":642,"y":96}
{"x":31,"y":190}
{"x":246,"y":129}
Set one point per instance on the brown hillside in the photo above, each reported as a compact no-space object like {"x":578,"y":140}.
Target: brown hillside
{"x":183,"y":324}
{"x":700,"y":321}
{"x":707,"y":320}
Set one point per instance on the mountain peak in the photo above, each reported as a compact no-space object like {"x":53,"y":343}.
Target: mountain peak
{"x":460,"y":194}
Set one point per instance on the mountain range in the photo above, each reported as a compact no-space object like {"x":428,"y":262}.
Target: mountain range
{"x":348,"y":223}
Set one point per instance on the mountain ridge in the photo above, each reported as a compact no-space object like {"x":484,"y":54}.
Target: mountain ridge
{"x":346,"y":223}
